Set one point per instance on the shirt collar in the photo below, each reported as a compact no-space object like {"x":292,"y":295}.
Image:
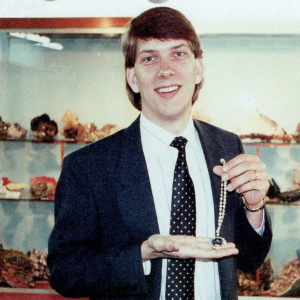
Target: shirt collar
{"x":190,"y":133}
{"x":166,"y":137}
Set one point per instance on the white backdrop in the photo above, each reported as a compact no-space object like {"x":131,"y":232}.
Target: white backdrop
{"x":210,"y":16}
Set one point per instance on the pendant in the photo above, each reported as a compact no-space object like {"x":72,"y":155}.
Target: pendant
{"x":217,"y":243}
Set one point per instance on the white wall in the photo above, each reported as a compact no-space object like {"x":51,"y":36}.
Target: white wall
{"x":245,"y":74}
{"x":242,"y":74}
{"x":87,"y":77}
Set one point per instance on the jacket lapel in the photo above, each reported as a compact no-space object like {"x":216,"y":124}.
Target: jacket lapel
{"x":213,"y":152}
{"x":135,"y":197}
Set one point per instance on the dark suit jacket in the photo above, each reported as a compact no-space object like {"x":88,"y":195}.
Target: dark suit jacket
{"x":104,"y":210}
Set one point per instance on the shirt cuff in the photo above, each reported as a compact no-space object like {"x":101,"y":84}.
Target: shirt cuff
{"x":147,"y":267}
{"x":261,"y":229}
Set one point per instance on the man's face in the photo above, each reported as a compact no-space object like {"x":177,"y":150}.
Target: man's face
{"x":165,"y":74}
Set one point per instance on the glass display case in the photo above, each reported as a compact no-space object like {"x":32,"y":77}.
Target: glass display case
{"x":88,"y":77}
{"x":26,"y":224}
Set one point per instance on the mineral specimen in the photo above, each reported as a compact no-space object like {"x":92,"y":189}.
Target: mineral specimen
{"x":41,"y":190}
{"x":43,"y":128}
{"x":38,"y":260}
{"x":16,"y":269}
{"x":296,"y":136}
{"x":274,"y":189}
{"x":258,"y":127}
{"x":292,"y":194}
{"x":254,"y":284}
{"x":12,"y":131}
{"x":247,"y":285}
{"x":74,"y":130}
{"x":287,"y":284}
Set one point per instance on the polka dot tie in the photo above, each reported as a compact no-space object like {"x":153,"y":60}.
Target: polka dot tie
{"x":180,"y":272}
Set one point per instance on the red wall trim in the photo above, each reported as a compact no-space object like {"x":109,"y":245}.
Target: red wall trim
{"x":28,"y":23}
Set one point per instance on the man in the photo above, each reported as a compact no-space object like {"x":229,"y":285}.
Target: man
{"x":113,"y":238}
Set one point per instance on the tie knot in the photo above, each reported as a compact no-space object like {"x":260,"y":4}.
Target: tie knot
{"x":179,"y":142}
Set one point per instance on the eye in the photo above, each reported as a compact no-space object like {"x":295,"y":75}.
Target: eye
{"x":148,"y":59}
{"x":179,"y":53}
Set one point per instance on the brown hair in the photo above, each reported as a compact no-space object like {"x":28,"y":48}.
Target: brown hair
{"x":160,"y":23}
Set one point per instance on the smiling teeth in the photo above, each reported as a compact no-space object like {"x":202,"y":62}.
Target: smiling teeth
{"x":168,"y":89}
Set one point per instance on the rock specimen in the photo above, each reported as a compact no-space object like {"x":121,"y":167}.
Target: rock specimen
{"x":287,"y":284}
{"x":12,"y":131}
{"x":43,"y":128}
{"x":16,"y":269}
{"x":39,"y":263}
{"x":74,"y":130}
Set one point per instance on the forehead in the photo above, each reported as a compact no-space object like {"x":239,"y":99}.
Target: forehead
{"x":154,"y":45}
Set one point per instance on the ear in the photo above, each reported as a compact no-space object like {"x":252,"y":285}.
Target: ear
{"x":132,"y":80}
{"x":199,"y":70}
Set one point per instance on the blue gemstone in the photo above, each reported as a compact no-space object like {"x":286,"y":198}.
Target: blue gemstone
{"x":217,"y":242}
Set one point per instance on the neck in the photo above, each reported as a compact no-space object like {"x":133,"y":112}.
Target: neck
{"x":172,"y":124}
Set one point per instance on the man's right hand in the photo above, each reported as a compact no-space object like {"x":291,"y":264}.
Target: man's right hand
{"x":183,"y":247}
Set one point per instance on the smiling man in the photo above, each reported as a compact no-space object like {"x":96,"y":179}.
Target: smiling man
{"x":144,"y":213}
{"x":165,"y":74}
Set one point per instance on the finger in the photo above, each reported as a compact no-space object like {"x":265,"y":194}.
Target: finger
{"x":260,"y":187}
{"x":163,"y":244}
{"x":240,"y":164}
{"x":248,"y":166}
{"x":241,"y":158}
{"x":229,"y":245}
{"x":204,"y":252}
{"x":256,"y":179}
{"x":188,"y":239}
{"x":204,"y":244}
{"x":203,"y":239}
{"x":252,"y":175}
{"x":174,"y":243}
{"x":261,"y":176}
{"x":223,"y":252}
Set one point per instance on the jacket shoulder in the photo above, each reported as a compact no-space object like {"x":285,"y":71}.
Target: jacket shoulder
{"x":215,"y":130}
{"x":107,"y":146}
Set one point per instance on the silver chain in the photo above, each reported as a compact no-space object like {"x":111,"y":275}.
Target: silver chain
{"x":222,"y":204}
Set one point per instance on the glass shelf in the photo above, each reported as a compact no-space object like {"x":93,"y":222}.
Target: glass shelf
{"x":25,"y":196}
{"x":46,"y":141}
{"x":25,"y":199}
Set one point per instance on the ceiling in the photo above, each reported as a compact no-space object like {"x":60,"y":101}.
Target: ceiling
{"x":208,"y":17}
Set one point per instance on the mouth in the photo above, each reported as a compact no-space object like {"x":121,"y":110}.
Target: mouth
{"x":168,"y":89}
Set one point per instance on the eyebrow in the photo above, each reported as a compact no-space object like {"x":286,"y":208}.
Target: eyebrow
{"x":178,"y":46}
{"x":153,"y":51}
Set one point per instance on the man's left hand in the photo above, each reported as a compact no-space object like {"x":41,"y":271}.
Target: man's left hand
{"x":247,"y":175}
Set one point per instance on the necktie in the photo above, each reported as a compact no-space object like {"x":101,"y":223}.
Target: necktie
{"x":180,"y":272}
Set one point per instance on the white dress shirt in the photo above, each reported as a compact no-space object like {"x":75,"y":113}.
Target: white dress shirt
{"x":161,"y":159}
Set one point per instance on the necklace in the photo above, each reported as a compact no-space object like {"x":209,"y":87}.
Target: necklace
{"x":219,"y":242}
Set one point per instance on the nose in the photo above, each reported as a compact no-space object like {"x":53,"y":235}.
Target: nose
{"x":165,"y":69}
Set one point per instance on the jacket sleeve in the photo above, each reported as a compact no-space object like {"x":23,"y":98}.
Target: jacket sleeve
{"x":253,"y":248}
{"x":83,"y":262}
